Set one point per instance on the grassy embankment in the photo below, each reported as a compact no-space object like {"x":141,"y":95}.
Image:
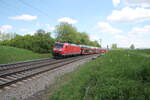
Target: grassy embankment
{"x":118,"y":75}
{"x":145,"y":52}
{"x":11,"y":54}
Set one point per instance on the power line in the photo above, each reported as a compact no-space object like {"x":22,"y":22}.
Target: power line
{"x":9,"y":5}
{"x":31,"y":6}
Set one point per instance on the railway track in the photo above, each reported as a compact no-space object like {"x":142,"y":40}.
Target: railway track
{"x":23,"y":63}
{"x":14,"y":72}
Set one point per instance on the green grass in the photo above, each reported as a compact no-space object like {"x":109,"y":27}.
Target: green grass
{"x":118,"y":75}
{"x":11,"y":54}
{"x":145,"y":52}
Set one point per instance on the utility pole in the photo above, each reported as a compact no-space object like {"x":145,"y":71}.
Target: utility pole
{"x":100,"y":42}
{"x":107,"y":47}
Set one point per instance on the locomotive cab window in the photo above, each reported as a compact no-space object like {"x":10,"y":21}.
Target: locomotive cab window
{"x":58,"y":45}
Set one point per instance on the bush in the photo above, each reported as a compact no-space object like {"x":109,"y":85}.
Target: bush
{"x":40,"y":43}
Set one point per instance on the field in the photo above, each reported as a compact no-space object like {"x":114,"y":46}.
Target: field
{"x":118,"y":75}
{"x":11,"y":54}
{"x":145,"y":53}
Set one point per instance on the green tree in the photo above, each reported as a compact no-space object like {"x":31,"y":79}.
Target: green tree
{"x":132,"y":46}
{"x":66,"y":33}
{"x":40,"y":32}
{"x":83,"y":38}
{"x":94,"y":43}
{"x":114,"y":46}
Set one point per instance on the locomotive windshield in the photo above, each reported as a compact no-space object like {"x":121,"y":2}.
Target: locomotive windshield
{"x":59,"y":45}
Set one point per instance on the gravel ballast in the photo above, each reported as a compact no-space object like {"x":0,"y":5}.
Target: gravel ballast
{"x":28,"y":89}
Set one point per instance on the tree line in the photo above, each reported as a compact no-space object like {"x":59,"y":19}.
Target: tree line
{"x":42,"y":42}
{"x":114,"y":46}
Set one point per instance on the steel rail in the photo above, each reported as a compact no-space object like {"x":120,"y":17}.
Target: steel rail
{"x":27,"y":68}
{"x":21,"y":64}
{"x":24,"y":74}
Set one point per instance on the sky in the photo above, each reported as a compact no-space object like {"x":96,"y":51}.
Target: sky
{"x":123,"y":22}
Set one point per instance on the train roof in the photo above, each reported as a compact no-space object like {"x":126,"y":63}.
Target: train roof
{"x":82,"y":46}
{"x":85,"y":46}
{"x":68,"y":44}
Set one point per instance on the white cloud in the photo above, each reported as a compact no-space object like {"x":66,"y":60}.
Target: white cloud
{"x":126,"y":41}
{"x":127,"y":15}
{"x":141,"y":3}
{"x":5,"y":28}
{"x":23,"y":17}
{"x":50,"y":28}
{"x":67,"y":20}
{"x":116,"y":2}
{"x":120,"y":37}
{"x":140,"y":30}
{"x":145,"y":5}
{"x":94,"y":37}
{"x":107,"y":28}
{"x":134,"y":36}
{"x":122,"y":41}
{"x":23,"y":30}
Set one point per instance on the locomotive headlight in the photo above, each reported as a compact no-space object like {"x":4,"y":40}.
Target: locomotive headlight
{"x":60,"y":49}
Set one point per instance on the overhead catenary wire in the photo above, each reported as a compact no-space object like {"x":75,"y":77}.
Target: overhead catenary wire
{"x":9,"y":6}
{"x":33,"y":7}
{"x":17,"y":9}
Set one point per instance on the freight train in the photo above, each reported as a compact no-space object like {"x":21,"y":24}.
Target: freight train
{"x":67,"y":49}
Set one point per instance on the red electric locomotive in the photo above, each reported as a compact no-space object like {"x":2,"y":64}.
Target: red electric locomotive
{"x":66,"y":49}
